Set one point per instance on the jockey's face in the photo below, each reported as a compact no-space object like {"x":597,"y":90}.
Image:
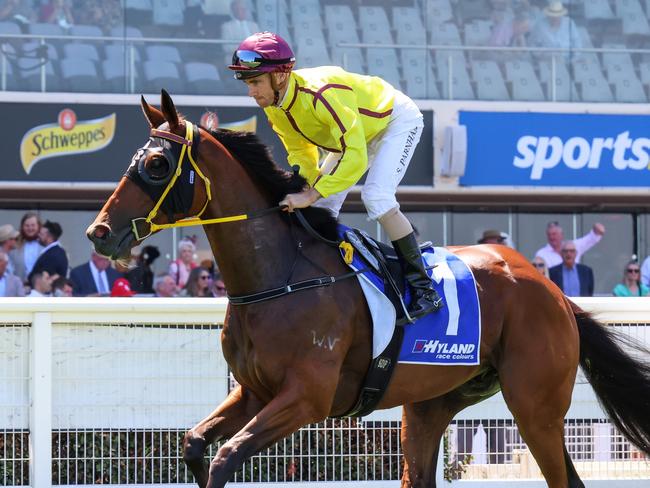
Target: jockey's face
{"x":261,"y":90}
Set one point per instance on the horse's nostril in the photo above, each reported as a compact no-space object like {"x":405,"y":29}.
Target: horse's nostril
{"x":100,"y":232}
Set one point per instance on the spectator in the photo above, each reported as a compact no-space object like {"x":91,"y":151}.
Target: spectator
{"x":165,"y":286}
{"x":631,"y":285}
{"x":57,"y":12}
{"x":53,"y":257}
{"x":645,"y":272}
{"x":502,"y":24}
{"x":41,"y":283}
{"x":240,"y":26}
{"x":180,"y":268}
{"x":95,"y":277}
{"x":573,"y":279}
{"x":198,"y":284}
{"x":550,"y":253}
{"x":540,"y":265}
{"x":8,"y":243}
{"x":29,"y":248}
{"x":21,"y":11}
{"x":215,"y":13}
{"x":218,"y":286}
{"x":141,"y":276}
{"x":492,"y":237}
{"x":10,"y":285}
{"x":122,"y":288}
{"x":62,"y":287}
{"x":105,"y":14}
{"x":556,"y":30}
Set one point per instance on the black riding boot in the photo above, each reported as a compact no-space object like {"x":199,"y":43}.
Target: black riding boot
{"x":425,"y":297}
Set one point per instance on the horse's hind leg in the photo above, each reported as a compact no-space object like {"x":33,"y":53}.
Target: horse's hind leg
{"x":537,"y":380}
{"x":423,"y":425}
{"x":235,"y":412}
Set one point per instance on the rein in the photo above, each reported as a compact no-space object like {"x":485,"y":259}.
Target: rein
{"x":187,"y":142}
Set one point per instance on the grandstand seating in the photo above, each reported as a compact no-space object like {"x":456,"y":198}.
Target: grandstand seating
{"x":315,"y":28}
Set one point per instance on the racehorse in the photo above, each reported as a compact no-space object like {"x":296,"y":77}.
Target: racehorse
{"x":301,"y":357}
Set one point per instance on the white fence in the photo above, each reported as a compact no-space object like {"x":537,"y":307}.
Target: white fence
{"x":101,"y":391}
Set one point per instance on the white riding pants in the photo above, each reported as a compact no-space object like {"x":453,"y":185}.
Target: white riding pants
{"x":389,"y":155}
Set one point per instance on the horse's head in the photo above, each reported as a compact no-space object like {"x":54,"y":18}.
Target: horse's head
{"x":158,"y":187}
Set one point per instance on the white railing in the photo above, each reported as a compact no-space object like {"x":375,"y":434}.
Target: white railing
{"x":102,"y":390}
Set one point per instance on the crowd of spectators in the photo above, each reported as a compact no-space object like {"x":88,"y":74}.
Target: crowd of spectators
{"x":34,"y":263}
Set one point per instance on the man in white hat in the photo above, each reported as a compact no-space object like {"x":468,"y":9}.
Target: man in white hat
{"x":556,"y":30}
{"x":8,"y":243}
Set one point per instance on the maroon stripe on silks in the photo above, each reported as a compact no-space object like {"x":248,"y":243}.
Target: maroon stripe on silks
{"x":170,"y":136}
{"x":293,"y":100}
{"x":335,"y":116}
{"x":293,"y":123}
{"x":338,"y":163}
{"x":378,"y":115}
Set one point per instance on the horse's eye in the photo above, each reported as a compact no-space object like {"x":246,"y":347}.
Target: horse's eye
{"x":157,"y":167}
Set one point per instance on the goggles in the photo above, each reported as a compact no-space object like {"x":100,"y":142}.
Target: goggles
{"x":252,"y":59}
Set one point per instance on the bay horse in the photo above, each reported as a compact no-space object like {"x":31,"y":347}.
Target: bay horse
{"x":532,"y":337}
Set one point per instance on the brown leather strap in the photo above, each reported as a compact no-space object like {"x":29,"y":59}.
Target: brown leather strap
{"x":170,"y":136}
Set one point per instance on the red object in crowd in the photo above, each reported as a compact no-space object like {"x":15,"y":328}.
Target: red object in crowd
{"x":122,"y":288}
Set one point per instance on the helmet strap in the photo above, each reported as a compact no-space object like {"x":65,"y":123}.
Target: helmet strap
{"x":276,"y":91}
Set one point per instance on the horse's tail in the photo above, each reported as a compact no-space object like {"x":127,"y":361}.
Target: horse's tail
{"x":621,"y":381}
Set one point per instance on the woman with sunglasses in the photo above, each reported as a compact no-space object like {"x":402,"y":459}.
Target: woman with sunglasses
{"x":631,"y":286}
{"x":199,"y":284}
{"x":362,"y":123}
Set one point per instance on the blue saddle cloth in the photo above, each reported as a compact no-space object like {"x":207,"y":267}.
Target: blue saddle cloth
{"x":449,"y":336}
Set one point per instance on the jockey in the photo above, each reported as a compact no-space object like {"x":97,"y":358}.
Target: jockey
{"x":361,"y":122}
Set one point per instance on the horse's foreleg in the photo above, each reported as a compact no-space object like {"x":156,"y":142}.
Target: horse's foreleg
{"x":423,"y":425}
{"x":235,"y":412}
{"x":286,"y":413}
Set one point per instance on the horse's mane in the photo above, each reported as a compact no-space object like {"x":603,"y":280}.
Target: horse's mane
{"x":256,"y":157}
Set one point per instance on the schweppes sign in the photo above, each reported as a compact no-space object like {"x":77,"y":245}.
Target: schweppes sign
{"x":68,"y":136}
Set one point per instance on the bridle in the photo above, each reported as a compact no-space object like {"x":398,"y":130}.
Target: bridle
{"x":185,"y":147}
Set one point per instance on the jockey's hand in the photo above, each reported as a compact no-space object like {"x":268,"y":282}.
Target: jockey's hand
{"x":299,"y":200}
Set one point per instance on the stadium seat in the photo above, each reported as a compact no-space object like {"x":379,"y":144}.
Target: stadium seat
{"x":86,"y":31}
{"x":624,"y":7}
{"x":307,"y":26}
{"x":478,"y":32}
{"x":408,"y":26}
{"x":617,"y":72}
{"x":485,"y":68}
{"x":80,"y":75}
{"x":202,"y":78}
{"x":375,"y":28}
{"x":596,"y":89}
{"x":311,"y":50}
{"x":585,"y":36}
{"x":122,"y":52}
{"x":162,"y":74}
{"x":76,"y":50}
{"x":36,"y":49}
{"x":565,"y":90}
{"x":621,"y":58}
{"x":383,"y":62}
{"x":9,"y":28}
{"x":139,"y":12}
{"x":527,"y":88}
{"x":630,"y":91}
{"x":587,"y":68}
{"x":341,"y":26}
{"x":644,"y":71}
{"x":163,"y":52}
{"x":461,"y":87}
{"x":117,"y":77}
{"x":305,"y":10}
{"x":419,"y":79}
{"x":10,"y":80}
{"x":30,"y":73}
{"x":437,"y":11}
{"x":490,"y":86}
{"x":445,"y":34}
{"x":519,"y":69}
{"x":350,"y":58}
{"x":598,"y":9}
{"x":125,"y":31}
{"x":635,"y":25}
{"x":46,"y":29}
{"x":273,"y":18}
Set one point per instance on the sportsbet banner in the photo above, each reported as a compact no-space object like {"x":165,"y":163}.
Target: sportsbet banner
{"x":553,"y":149}
{"x":95,"y":142}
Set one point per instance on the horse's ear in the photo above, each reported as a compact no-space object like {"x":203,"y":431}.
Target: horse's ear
{"x":152,"y":114}
{"x":168,"y":109}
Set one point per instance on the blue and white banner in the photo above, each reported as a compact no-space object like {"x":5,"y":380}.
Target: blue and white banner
{"x":553,"y":149}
